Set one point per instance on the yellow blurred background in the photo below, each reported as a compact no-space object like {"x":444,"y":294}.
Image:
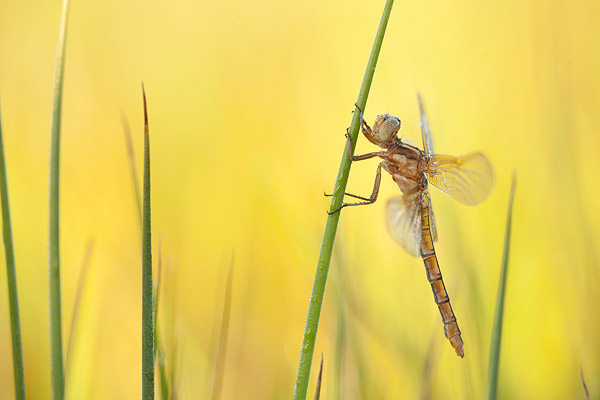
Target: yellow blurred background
{"x":248,"y":106}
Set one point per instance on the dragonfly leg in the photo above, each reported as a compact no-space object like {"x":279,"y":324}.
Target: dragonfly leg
{"x":369,"y":200}
{"x":364,"y":126}
{"x":351,"y":195}
{"x":361,"y":156}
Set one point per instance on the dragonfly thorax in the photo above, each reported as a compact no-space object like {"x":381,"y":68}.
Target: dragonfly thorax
{"x":385,"y":128}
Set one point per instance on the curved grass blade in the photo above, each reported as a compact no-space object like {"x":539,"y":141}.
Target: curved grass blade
{"x":13,"y":298}
{"x":133,"y":169}
{"x":318,"y":290}
{"x":587,"y":393}
{"x":56,"y":351}
{"x":159,"y":350}
{"x":319,"y":379}
{"x":431,"y":359}
{"x":85,"y":266}
{"x":147,"y":300}
{"x":497,"y":330}
{"x":219,"y":367}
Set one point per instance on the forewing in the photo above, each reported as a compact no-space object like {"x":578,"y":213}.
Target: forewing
{"x":404,"y":222}
{"x":468,"y":179}
{"x":425,"y":131}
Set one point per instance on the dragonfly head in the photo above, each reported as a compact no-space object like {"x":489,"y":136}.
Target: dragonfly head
{"x":385,"y":128}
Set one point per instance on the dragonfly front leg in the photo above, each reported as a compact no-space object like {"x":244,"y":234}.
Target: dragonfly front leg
{"x":366,"y":129}
{"x":362,"y":156}
{"x":367,"y":200}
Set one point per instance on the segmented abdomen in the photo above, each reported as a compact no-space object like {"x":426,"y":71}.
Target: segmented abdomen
{"x":434,"y":276}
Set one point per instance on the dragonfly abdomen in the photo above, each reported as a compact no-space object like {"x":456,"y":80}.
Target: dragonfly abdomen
{"x":434,"y":276}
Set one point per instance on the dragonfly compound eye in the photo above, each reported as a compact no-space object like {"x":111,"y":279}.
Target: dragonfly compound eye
{"x":386,"y":127}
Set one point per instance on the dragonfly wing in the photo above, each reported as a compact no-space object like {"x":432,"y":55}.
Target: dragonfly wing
{"x":427,"y":201}
{"x":404,"y":222}
{"x":425,"y":131}
{"x":468,"y":179}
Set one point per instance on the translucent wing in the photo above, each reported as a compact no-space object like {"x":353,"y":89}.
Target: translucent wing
{"x":468,"y":179}
{"x":404,"y":222}
{"x":427,"y":201}
{"x":425,"y":131}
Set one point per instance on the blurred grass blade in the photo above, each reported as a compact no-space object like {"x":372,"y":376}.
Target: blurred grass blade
{"x":318,"y":290}
{"x":13,"y":298}
{"x":173,"y":368}
{"x":172,"y":343}
{"x":431,"y":360}
{"x":155,"y":298}
{"x":85,"y":266}
{"x":132,"y":167}
{"x":160,"y":353}
{"x":587,"y":393}
{"x":164,"y":382}
{"x":497,"y":329}
{"x":340,"y":340}
{"x":219,"y":367}
{"x":56,"y":351}
{"x":147,"y":298}
{"x":319,"y":379}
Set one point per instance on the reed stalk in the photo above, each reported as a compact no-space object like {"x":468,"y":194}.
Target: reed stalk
{"x":318,"y":290}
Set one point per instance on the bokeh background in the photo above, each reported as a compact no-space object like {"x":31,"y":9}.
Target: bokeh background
{"x":248,"y":104}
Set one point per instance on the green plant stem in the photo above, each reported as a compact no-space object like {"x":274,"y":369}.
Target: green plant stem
{"x":319,"y":380}
{"x":56,"y":351}
{"x":85,"y":266}
{"x":318,"y":290}
{"x":497,"y":329}
{"x":13,"y":298}
{"x":219,"y":363}
{"x":159,"y":353}
{"x":147,"y":302}
{"x":132,"y":168}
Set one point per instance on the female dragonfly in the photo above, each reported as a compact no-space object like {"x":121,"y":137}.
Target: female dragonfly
{"x":468,"y":179}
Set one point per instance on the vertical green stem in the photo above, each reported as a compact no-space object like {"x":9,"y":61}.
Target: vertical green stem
{"x":13,"y":300}
{"x":497,"y":329}
{"x":85,"y":266}
{"x":147,"y":303}
{"x":56,"y":352}
{"x":132,"y":168}
{"x":318,"y":290}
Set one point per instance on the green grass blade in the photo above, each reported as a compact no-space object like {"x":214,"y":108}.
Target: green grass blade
{"x":219,"y":367}
{"x":318,"y":290}
{"x":159,"y":350}
{"x":147,"y":300}
{"x":85,"y":266}
{"x":164,"y":380}
{"x":497,"y":329}
{"x":13,"y":298}
{"x":132,"y":168}
{"x":587,"y":393}
{"x":56,"y":351}
{"x":319,"y":380}
{"x":157,"y":295}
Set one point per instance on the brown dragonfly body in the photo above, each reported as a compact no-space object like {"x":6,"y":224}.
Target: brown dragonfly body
{"x":468,"y":179}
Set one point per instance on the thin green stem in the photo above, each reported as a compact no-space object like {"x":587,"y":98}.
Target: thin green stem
{"x":219,"y":363}
{"x":147,"y":302}
{"x":158,"y":349}
{"x":497,"y":329}
{"x":85,"y":266}
{"x":13,"y":298}
{"x":319,"y":380}
{"x":132,"y":168}
{"x":318,"y":290}
{"x":56,"y":351}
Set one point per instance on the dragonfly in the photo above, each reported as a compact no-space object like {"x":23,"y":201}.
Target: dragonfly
{"x":468,"y":179}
